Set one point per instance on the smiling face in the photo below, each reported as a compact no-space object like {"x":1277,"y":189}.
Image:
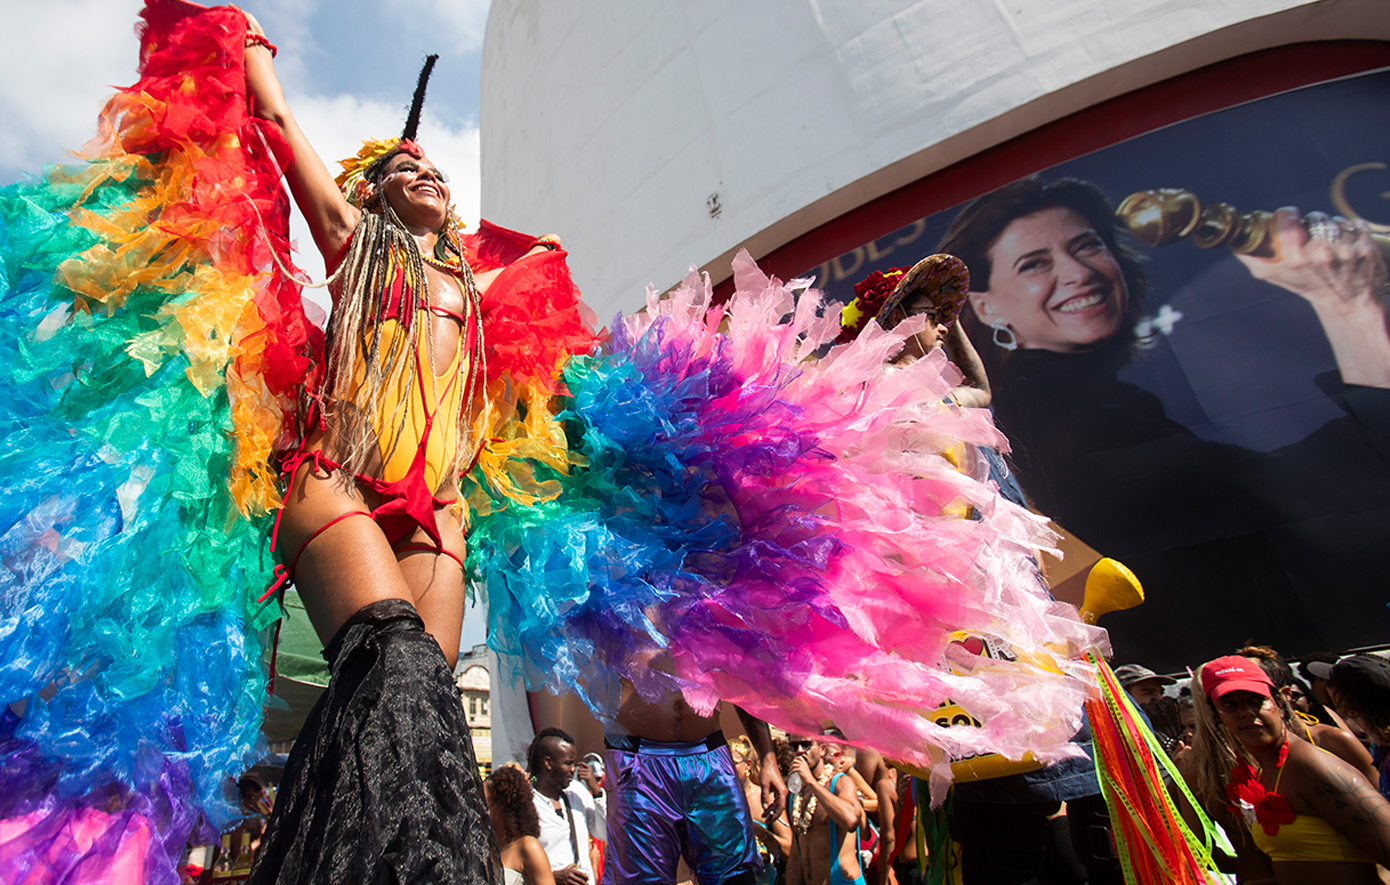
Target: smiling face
{"x":1254,"y":719}
{"x":1055,"y":282}
{"x":417,"y":191}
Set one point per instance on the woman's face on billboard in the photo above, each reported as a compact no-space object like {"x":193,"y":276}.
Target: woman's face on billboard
{"x":1054,"y":282}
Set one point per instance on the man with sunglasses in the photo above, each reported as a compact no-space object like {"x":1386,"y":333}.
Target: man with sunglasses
{"x":825,"y":815}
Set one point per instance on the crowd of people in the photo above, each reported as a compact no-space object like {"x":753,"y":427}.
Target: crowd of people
{"x":1288,"y":759}
{"x":1291,"y":765}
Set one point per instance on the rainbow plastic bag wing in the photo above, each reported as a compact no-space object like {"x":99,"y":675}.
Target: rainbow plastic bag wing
{"x":150,"y":360}
{"x":743,"y":521}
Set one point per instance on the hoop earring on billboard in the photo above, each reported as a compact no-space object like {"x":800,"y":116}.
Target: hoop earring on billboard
{"x":1011,"y":343}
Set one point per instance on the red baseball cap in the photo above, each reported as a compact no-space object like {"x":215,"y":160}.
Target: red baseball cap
{"x":1234,"y":673}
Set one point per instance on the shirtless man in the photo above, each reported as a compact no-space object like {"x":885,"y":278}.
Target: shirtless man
{"x":876,"y":773}
{"x":878,"y":795}
{"x":675,"y":794}
{"x":825,"y":817}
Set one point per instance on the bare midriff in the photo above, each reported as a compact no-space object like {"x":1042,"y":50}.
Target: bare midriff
{"x":670,"y":720}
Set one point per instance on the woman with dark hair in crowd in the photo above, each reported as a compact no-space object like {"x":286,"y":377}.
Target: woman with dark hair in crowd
{"x":1309,"y":812}
{"x":518,"y":827}
{"x":1057,"y":301}
{"x":1360,"y":688}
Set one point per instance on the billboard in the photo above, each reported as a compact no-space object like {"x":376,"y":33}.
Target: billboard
{"x":1199,"y":385}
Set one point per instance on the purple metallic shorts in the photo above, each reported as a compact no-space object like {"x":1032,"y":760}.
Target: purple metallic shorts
{"x":674,"y":800}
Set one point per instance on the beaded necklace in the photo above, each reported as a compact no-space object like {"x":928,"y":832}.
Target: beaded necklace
{"x":801,"y":820}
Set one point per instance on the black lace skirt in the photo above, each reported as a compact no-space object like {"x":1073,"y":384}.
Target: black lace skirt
{"x":382,"y":785}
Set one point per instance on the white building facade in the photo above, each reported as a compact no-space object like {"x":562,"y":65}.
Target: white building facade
{"x":657,"y":134}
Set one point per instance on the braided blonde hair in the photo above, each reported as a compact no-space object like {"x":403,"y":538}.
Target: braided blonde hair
{"x":381,"y":249}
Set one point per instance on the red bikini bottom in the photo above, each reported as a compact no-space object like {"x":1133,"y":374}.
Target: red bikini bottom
{"x":394,"y":514}
{"x":395,"y":524}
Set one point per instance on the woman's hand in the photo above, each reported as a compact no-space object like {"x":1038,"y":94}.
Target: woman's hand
{"x":252,"y":26}
{"x":1339,"y":270}
{"x":1336,"y":267}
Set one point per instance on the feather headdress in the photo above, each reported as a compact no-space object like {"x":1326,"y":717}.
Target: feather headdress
{"x":353,"y":179}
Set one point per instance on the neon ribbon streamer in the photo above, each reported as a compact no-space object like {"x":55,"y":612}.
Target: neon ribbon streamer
{"x":1154,"y":843}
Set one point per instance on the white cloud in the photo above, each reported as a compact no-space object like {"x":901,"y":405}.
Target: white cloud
{"x":288,"y":24}
{"x":460,"y":21}
{"x":58,"y":63}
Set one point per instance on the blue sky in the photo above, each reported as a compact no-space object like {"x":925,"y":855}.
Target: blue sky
{"x":348,"y":69}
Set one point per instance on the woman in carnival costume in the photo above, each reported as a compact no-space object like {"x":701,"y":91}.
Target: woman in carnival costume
{"x":703,"y":507}
{"x":371,"y":529}
{"x":159,"y":369}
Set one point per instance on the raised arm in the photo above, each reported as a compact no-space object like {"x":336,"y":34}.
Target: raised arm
{"x":331,"y":219}
{"x":975,"y":392}
{"x":1342,"y":275}
{"x":774,"y":791}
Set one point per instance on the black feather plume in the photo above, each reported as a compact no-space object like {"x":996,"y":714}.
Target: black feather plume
{"x":412,"y":122}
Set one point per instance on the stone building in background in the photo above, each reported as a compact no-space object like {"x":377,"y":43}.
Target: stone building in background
{"x":471,"y":677}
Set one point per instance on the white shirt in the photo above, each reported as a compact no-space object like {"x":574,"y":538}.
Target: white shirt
{"x":595,"y":809}
{"x":555,"y":830}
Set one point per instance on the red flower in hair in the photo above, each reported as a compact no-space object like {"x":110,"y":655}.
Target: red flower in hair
{"x":870,"y":294}
{"x":874,"y":289}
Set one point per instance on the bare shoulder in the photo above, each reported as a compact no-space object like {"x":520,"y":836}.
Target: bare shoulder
{"x":846,"y":788}
{"x":1342,"y":743}
{"x":1335,"y":791}
{"x":535,"y":864}
{"x":871,"y":766}
{"x":1307,"y":762}
{"x":531,"y":846}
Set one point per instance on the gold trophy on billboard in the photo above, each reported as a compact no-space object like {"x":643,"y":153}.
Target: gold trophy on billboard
{"x":1166,"y":215}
